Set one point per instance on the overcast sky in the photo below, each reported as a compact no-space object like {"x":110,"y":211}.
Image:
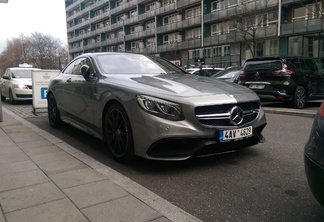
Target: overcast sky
{"x":29,"y":16}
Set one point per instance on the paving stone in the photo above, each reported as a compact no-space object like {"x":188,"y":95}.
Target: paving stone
{"x":48,"y":157}
{"x":11,"y":157}
{"x":22,"y":179}
{"x":29,"y":196}
{"x":77,"y":177}
{"x":60,"y":166}
{"x":126,"y":209}
{"x":24,"y":136}
{"x":56,"y":211}
{"x":16,"y":167}
{"x":36,"y":143}
{"x":41,"y":150}
{"x":94,"y":193}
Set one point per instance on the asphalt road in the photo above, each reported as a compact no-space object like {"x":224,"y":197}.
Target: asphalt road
{"x":265,"y":182}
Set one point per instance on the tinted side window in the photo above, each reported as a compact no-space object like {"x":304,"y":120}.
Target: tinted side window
{"x":295,"y":61}
{"x":75,"y":67}
{"x":320,"y":67}
{"x":308,"y":64}
{"x":68,"y":69}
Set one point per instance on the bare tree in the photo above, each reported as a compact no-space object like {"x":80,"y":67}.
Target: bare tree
{"x":39,"y":50}
{"x":252,"y":16}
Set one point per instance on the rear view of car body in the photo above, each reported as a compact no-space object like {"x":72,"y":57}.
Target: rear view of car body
{"x":284,"y":79}
{"x":314,"y":157}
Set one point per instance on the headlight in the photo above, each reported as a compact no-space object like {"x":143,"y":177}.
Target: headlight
{"x":161,"y":108}
{"x":20,"y":86}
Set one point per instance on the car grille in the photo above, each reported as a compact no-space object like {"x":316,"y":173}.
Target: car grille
{"x":219,"y":115}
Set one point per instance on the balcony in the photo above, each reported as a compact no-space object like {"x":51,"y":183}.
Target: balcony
{"x":303,"y":26}
{"x":165,"y":8}
{"x":195,"y":43}
{"x":241,"y":9}
{"x":185,"y":3}
{"x":140,"y":35}
{"x":196,"y":21}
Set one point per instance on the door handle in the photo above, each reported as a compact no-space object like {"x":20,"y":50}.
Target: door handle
{"x":69,"y":80}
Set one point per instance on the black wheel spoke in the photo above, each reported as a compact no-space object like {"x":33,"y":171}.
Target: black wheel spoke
{"x":117,"y":134}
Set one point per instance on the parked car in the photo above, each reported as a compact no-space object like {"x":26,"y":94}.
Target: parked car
{"x":230,"y":74}
{"x":16,"y":84}
{"x":152,"y":108}
{"x":204,"y":71}
{"x":314,"y":157}
{"x":290,"y":79}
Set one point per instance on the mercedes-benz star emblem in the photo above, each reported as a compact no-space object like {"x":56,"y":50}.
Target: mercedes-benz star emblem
{"x":236,"y":115}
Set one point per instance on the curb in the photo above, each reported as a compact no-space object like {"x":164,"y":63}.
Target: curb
{"x":292,"y":112}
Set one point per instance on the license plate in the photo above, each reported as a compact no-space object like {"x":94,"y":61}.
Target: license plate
{"x":236,"y":134}
{"x":254,"y":86}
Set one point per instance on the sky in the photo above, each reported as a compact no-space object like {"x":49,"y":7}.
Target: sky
{"x":29,"y":16}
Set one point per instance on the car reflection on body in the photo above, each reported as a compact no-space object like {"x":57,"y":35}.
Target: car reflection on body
{"x":230,"y":74}
{"x":314,"y":157}
{"x":146,"y":106}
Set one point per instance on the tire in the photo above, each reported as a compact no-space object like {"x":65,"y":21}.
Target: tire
{"x":118,"y":134}
{"x":300,"y":98}
{"x":54,"y":116}
{"x":11,"y":99}
{"x":3,"y":98}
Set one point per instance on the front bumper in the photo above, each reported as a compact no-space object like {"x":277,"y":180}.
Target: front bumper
{"x":315,"y":178}
{"x":184,"y":148}
{"x":22,"y":94}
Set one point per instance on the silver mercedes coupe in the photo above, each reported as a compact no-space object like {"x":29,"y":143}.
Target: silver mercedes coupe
{"x":144,"y":105}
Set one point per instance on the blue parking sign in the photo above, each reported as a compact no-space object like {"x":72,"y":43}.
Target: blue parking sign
{"x":43,"y":92}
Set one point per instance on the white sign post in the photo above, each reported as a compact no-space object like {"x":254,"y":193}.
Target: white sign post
{"x":41,"y":79}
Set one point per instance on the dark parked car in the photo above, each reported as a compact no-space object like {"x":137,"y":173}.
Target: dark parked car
{"x":230,"y":74}
{"x":146,"y":106}
{"x":314,"y":157}
{"x":290,"y":79}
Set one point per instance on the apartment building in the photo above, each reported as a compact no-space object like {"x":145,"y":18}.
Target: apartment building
{"x":212,"y":32}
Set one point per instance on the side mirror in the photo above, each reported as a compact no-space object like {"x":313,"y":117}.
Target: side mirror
{"x":85,"y":71}
{"x":5,"y":77}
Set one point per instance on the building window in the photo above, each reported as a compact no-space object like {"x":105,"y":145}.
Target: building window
{"x":259,"y":49}
{"x":193,"y":34}
{"x":295,"y":44}
{"x":150,"y":25}
{"x":133,"y":13}
{"x":152,"y":6}
{"x":171,"y":19}
{"x":137,"y":45}
{"x":168,"y":2}
{"x":150,"y":42}
{"x":171,"y":38}
{"x":136,"y":28}
{"x":193,"y":12}
{"x":310,"y":11}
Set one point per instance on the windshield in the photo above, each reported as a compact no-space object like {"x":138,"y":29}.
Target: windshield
{"x":21,"y":73}
{"x":136,"y":64}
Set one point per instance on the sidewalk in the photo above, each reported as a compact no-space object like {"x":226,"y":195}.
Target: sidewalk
{"x":43,"y":179}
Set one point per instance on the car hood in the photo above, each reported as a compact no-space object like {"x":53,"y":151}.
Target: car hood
{"x":185,"y":85}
